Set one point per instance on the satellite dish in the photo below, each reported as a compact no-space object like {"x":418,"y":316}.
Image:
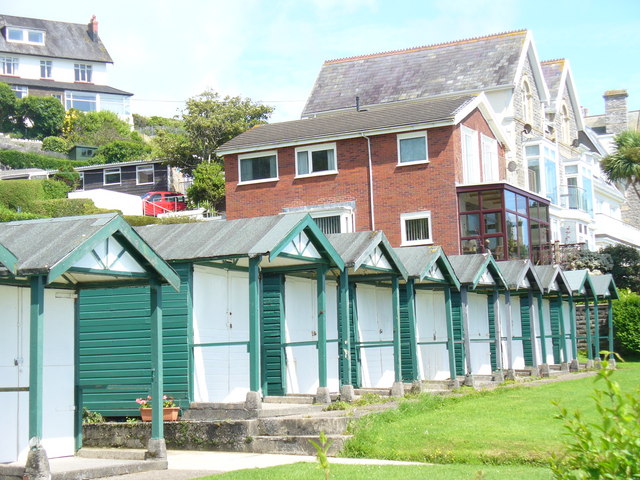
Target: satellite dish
{"x":526,"y":128}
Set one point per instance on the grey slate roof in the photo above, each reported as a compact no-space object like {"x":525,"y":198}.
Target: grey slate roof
{"x":550,"y":273}
{"x":462,"y":66}
{"x":552,"y":71}
{"x":604,"y":286}
{"x":63,"y":40}
{"x":599,"y":124}
{"x":217,"y":238}
{"x":514,"y":271}
{"x":53,"y":85}
{"x":350,"y":123}
{"x":579,"y":280}
{"x":419,"y":259}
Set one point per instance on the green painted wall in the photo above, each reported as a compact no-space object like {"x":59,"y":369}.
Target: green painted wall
{"x":273,"y":362}
{"x":115,"y":346}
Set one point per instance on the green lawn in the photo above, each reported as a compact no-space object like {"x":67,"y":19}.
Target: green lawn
{"x":505,"y":426}
{"x":311,"y":471}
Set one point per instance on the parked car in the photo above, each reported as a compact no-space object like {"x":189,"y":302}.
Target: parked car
{"x":155,"y":203}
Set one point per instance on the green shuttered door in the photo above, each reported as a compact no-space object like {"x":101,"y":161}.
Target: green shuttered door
{"x":492,"y":333}
{"x":525,"y":317}
{"x":273,"y":362}
{"x":115,"y":346}
{"x":458,"y":332}
{"x":406,"y":350}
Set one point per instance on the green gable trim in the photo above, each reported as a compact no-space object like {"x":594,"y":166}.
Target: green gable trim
{"x":387,"y":250}
{"x":446,"y":268}
{"x":489,"y":265}
{"x":117,"y":227}
{"x":8,"y":259}
{"x":318,"y":239}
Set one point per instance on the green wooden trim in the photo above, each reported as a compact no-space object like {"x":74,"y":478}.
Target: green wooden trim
{"x":397,"y":354}
{"x":509,"y":333}
{"x":562,"y":329}
{"x":317,"y":238}
{"x":95,"y":271}
{"x":596,"y":327}
{"x":379,"y":240}
{"x":190,"y":334}
{"x":374,"y":277}
{"x":36,"y":356}
{"x":294,"y":268}
{"x":450,"y":336}
{"x":465,"y":327}
{"x":572,"y":322}
{"x":490,"y":265}
{"x":8,"y":259}
{"x":254,"y":323}
{"x":220,"y":344}
{"x":374,"y":344}
{"x":344,"y":327}
{"x":587,"y":318}
{"x":308,"y":343}
{"x":321,"y":300}
{"x":443,"y":342}
{"x":77,"y":400}
{"x":445,"y":266}
{"x":157,"y":368}
{"x":610,"y":323}
{"x":223,"y":266}
{"x":543,"y":341}
{"x":532,"y":330}
{"x":310,"y":260}
{"x":138,"y":247}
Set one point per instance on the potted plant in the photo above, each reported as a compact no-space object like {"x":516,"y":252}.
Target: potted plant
{"x":170,"y":410}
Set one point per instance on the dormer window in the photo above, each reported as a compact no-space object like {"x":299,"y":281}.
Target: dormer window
{"x":82,"y":72}
{"x":24,"y":35}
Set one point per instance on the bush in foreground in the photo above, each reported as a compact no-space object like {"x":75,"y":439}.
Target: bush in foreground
{"x":626,"y":323}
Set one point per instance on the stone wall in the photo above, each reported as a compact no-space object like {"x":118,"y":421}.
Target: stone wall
{"x":603,"y":320}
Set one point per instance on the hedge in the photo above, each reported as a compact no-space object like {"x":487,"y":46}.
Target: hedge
{"x":20,"y":194}
{"x":66,"y":207}
{"x":16,"y":159}
{"x":626,"y":323}
{"x":140,"y":220}
{"x":7,"y":215}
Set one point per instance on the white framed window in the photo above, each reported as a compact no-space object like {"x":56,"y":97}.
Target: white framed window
{"x":118,"y":104}
{"x":316,"y":160}
{"x":470,"y":156}
{"x":338,"y":220}
{"x":112,"y":176}
{"x":565,"y":130}
{"x":20,"y":90}
{"x":24,"y":35}
{"x":9,"y":66}
{"x":45,"y":68}
{"x":144,"y":174}
{"x":83,"y":101}
{"x":490,"y":167}
{"x":542,"y":169}
{"x":83,"y":72}
{"x":415,"y":228}
{"x":527,"y":103}
{"x":412,"y":148}
{"x":258,"y":167}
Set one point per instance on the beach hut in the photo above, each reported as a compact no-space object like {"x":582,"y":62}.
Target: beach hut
{"x":605,"y":290}
{"x":582,"y":288}
{"x":517,"y":316}
{"x":369,"y":312}
{"x":250,"y":321}
{"x":475,"y":315}
{"x":46,"y":263}
{"x":552,"y":339}
{"x":426,"y":318}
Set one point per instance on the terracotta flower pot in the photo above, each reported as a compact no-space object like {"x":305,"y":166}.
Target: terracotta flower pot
{"x":170,"y":414}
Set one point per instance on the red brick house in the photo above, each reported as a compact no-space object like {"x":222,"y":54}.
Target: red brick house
{"x":396,"y":167}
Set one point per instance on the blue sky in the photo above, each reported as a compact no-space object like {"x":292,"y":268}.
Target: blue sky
{"x":271,"y":51}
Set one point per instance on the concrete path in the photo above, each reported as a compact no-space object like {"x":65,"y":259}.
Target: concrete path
{"x":186,"y":465}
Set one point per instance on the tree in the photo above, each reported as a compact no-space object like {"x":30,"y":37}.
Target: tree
{"x":97,"y":128}
{"x":40,"y":117}
{"x":8,"y":104}
{"x":207,"y":189}
{"x":624,"y":164}
{"x":67,"y":174}
{"x":625,"y":267}
{"x":122,"y":151}
{"x":209,"y":121}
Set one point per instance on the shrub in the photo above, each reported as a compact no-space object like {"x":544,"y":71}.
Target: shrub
{"x":626,"y":322}
{"x":54,"y":189}
{"x":140,"y":220}
{"x":8,"y":104}
{"x":68,"y":176}
{"x":7,"y":215}
{"x":66,"y":207}
{"x":608,"y":448}
{"x":207,"y":189}
{"x":95,"y":128}
{"x":122,"y":151}
{"x":55,"y":144}
{"x":17,"y":159}
{"x":19,"y":195}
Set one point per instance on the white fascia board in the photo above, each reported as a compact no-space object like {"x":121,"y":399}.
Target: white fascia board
{"x":482,"y":103}
{"x":573,"y":95}
{"x":529,"y":52}
{"x":333,"y":138}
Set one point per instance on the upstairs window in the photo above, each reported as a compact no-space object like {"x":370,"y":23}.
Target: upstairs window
{"x":45,"y":68}
{"x":470,"y":156}
{"x":527,"y":103}
{"x":412,"y":148}
{"x":24,"y":35}
{"x":565,"y":129}
{"x":8,"y":66}
{"x":415,"y":228}
{"x":260,"y":167}
{"x":316,"y":160}
{"x":490,"y":170}
{"x":82,"y":72}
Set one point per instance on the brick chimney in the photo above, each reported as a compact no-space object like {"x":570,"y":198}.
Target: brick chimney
{"x":93,"y":28}
{"x":615,"y":111}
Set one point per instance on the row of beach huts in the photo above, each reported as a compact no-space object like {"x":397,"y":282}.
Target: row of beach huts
{"x":222,"y":313}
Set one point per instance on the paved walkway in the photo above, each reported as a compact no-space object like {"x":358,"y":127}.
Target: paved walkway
{"x":185,"y":465}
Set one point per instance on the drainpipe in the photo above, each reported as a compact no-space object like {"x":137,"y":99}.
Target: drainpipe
{"x":373,"y":217}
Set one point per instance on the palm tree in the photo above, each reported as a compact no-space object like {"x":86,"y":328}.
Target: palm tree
{"x":624,"y":164}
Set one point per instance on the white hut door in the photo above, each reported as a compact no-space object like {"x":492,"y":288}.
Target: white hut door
{"x":301,"y":335}
{"x":566,"y":316}
{"x":546,"y":311}
{"x":375,"y":325}
{"x":220,"y":319}
{"x":479,"y":334}
{"x":333,"y":382}
{"x":516,"y":331}
{"x":431,"y":326}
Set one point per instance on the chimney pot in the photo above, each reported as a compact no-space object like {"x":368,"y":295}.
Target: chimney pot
{"x":93,"y":28}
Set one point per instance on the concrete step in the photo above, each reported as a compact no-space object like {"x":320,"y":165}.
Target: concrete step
{"x":291,"y":398}
{"x":523,"y":373}
{"x":295,"y":445}
{"x":436,"y":385}
{"x":112,"y":453}
{"x":302,"y":426}
{"x":383,"y":392}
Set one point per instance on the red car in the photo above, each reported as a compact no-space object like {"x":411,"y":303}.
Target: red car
{"x":155,"y":203}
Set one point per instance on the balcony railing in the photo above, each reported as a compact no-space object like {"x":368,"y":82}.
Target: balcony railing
{"x":575,"y":198}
